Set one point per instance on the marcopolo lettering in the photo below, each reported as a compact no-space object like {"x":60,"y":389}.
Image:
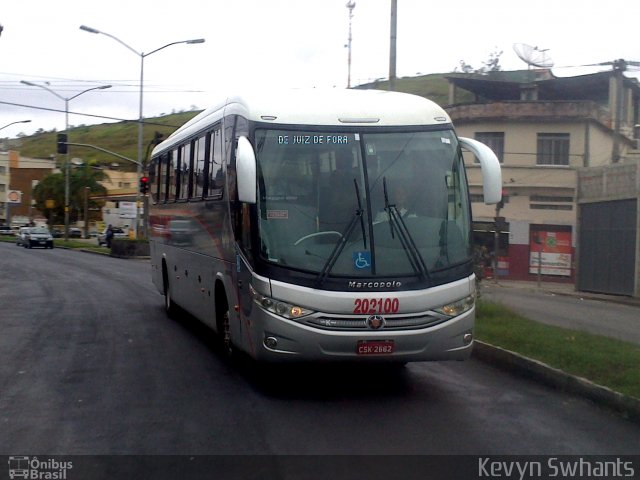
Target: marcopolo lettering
{"x":364,"y":285}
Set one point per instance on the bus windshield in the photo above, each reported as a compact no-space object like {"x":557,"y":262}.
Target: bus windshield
{"x":362,"y":204}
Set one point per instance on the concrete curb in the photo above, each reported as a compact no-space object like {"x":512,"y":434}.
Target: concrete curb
{"x":543,"y":373}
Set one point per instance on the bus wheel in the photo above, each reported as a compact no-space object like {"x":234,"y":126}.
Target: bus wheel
{"x":169,"y":305}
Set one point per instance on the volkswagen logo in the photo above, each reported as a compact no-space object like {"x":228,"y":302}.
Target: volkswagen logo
{"x":375,"y":322}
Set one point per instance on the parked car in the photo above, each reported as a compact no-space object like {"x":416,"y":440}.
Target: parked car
{"x":6,"y":230}
{"x":75,"y":232}
{"x":30,"y":237}
{"x":117,"y":233}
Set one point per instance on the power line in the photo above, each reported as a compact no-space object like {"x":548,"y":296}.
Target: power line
{"x":73,"y":82}
{"x":88,"y":114}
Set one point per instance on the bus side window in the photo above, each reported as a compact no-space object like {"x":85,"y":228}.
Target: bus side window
{"x":185,"y":170}
{"x":216,"y":178}
{"x":163,"y":177}
{"x":154,"y":178}
{"x":172,"y":176}
{"x":199,"y":167}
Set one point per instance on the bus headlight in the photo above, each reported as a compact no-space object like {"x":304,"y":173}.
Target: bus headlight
{"x":278,"y":307}
{"x":457,"y":308}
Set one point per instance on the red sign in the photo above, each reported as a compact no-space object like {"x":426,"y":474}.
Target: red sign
{"x":14,"y":196}
{"x":552,"y":252}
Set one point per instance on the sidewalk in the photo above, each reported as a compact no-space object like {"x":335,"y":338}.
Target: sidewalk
{"x":568,"y":289}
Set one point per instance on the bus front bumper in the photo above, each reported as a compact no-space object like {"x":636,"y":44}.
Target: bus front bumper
{"x":280,"y":340}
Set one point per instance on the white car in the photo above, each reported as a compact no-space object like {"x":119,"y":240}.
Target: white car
{"x":30,"y":237}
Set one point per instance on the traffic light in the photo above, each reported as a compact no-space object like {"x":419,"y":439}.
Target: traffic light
{"x":62,"y":143}
{"x":503,"y":200}
{"x":144,"y":184}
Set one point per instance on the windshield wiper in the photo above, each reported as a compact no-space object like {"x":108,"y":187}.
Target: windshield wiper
{"x":396,"y":222}
{"x":324,"y":273}
{"x":361,"y":210}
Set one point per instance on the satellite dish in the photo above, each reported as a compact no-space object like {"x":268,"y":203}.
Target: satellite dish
{"x":533,"y":56}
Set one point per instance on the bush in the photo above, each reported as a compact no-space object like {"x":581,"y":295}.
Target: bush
{"x":124,"y":247}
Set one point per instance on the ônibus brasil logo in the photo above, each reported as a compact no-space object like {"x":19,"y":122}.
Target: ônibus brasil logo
{"x":33,"y":468}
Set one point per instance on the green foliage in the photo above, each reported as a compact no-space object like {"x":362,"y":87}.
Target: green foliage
{"x":605,"y":361}
{"x":124,"y":247}
{"x":492,"y":64}
{"x":52,"y":187}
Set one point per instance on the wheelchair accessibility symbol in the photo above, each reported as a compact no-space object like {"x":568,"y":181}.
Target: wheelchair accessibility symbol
{"x":361,"y":260}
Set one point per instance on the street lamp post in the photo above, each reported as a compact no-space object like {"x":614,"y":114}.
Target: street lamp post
{"x":142,"y":56}
{"x":13,"y":123}
{"x":66,"y":129}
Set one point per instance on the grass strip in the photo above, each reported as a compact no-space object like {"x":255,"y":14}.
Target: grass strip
{"x":71,"y":243}
{"x":605,"y":361}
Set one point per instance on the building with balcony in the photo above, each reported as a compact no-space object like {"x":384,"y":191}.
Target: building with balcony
{"x":544,"y":130}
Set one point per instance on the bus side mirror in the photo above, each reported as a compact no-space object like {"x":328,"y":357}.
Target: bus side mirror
{"x":246,"y":171}
{"x":490,"y":165}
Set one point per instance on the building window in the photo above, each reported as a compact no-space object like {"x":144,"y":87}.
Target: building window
{"x":546,"y":206}
{"x":553,"y":149}
{"x":493,"y":140}
{"x":549,"y":198}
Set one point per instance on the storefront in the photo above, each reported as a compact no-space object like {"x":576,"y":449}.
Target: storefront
{"x":526,"y":251}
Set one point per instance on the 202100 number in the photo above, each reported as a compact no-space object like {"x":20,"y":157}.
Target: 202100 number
{"x":370,"y":306}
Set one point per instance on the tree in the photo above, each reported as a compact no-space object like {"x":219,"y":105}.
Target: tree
{"x":52,"y":187}
{"x":464,"y":67}
{"x":492,"y":64}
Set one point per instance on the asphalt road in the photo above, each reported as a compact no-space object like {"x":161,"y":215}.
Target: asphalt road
{"x":89,"y":364}
{"x":574,"y":312}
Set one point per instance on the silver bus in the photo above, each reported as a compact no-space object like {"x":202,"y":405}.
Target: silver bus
{"x":320,"y":225}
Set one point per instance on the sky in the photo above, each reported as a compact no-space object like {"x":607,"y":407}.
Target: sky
{"x":271,"y":43}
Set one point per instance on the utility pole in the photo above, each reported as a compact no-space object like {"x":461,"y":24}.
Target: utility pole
{"x":86,"y":212}
{"x":392,"y":45}
{"x":350,"y":5}
{"x":619,"y":66}
{"x":499,"y":224}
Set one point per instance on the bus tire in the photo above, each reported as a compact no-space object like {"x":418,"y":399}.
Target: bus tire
{"x":169,"y":305}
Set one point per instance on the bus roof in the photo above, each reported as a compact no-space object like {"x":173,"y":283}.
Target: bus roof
{"x":315,"y":107}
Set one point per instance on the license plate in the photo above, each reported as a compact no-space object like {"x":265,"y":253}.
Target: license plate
{"x":375,"y":347}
